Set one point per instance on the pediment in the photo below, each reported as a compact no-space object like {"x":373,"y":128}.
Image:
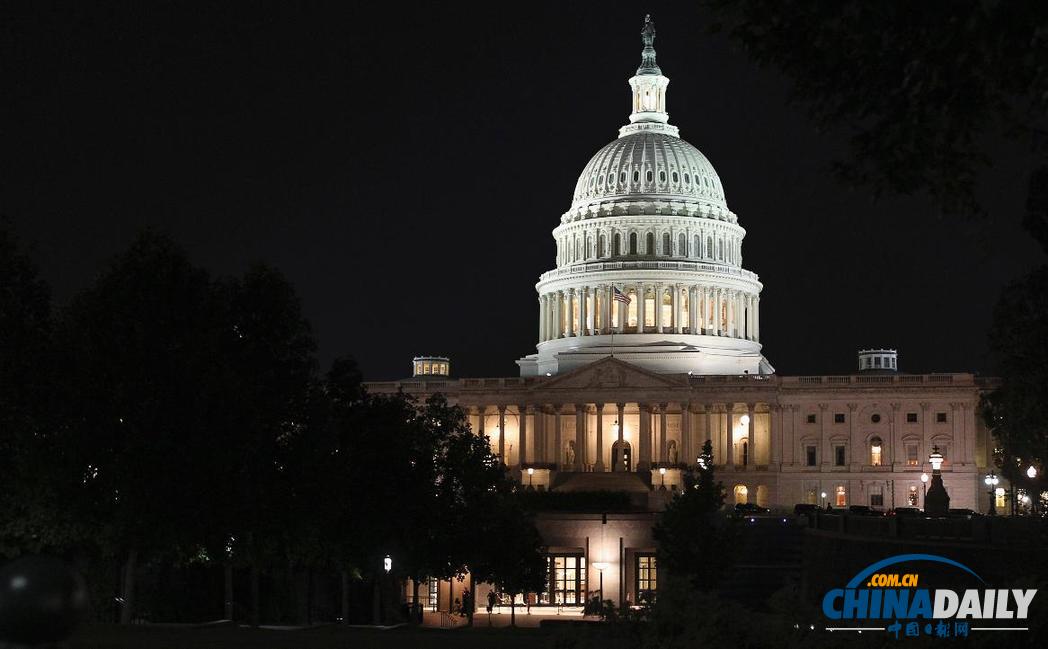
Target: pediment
{"x":611,"y":373}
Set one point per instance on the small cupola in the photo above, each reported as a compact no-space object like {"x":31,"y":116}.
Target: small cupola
{"x":430,"y":366}
{"x":878,"y":360}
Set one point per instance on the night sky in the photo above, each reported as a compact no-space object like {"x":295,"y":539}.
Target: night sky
{"x":404,"y":166}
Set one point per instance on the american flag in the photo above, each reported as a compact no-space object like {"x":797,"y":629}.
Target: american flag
{"x":619,"y":296}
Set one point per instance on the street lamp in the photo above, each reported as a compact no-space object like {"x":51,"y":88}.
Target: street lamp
{"x":992,"y":481}
{"x":662,"y":473}
{"x":924,"y":487}
{"x":601,"y":566}
{"x":1031,"y":473}
{"x":531,"y":473}
{"x":387,"y":564}
{"x":823,"y":498}
{"x":744,"y":420}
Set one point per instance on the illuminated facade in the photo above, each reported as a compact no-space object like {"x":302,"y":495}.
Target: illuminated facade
{"x":649,"y":345}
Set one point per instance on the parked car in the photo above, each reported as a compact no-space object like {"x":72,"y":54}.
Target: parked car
{"x":906,"y":511}
{"x":803,"y":509}
{"x":864,"y":510}
{"x":964,"y":513}
{"x":750,"y":508}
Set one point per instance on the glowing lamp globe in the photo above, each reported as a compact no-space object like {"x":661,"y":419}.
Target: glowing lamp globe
{"x":935,"y":458}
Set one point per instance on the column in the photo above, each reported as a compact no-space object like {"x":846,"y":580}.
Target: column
{"x":751,"y":433}
{"x":622,"y":420}
{"x":858,"y":449}
{"x":749,"y":318}
{"x":539,"y":444}
{"x":609,"y":304}
{"x":641,"y":307}
{"x":558,"y":438}
{"x":775,"y":434}
{"x":571,"y":313}
{"x":757,"y":318}
{"x":522,"y":437}
{"x":555,"y":330}
{"x":600,"y":438}
{"x":894,"y":427}
{"x":663,"y":441}
{"x":580,"y":437}
{"x":727,"y":433}
{"x":583,"y":311}
{"x":675,"y":300}
{"x":623,"y":310}
{"x":644,"y":438}
{"x":716,"y":312}
{"x":542,"y":318}
{"x":687,"y":450}
{"x":824,"y":441}
{"x":716,"y":440}
{"x":922,"y":453}
{"x":659,"y":291}
{"x":502,"y":434}
{"x":692,"y":328}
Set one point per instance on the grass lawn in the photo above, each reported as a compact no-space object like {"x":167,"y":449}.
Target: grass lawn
{"x":327,"y":637}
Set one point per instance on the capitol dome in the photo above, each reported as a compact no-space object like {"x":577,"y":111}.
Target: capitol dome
{"x":649,"y":257}
{"x":650,"y":165}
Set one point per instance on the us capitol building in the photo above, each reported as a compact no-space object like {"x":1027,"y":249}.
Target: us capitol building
{"x":649,"y":344}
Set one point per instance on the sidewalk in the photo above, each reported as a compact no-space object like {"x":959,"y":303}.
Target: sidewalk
{"x":501,"y":618}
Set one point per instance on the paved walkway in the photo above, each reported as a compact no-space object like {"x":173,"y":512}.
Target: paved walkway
{"x":501,"y":618}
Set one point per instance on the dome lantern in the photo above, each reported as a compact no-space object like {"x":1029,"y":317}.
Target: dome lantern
{"x":649,"y":90}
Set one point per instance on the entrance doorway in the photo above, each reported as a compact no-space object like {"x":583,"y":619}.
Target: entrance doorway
{"x":621,"y":456}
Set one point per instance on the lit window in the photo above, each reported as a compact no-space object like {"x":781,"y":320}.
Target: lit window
{"x":742,"y":494}
{"x":875,"y":451}
{"x":842,"y":500}
{"x":912,"y":497}
{"x":646,"y":575}
{"x":911,"y":454}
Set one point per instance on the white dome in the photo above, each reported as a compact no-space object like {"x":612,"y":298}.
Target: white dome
{"x":649,"y":164}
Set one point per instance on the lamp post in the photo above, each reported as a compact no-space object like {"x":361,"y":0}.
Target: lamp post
{"x":531,"y":474}
{"x":387,"y":564}
{"x":992,"y":481}
{"x":662,"y":474}
{"x":936,"y":500}
{"x":1031,"y":473}
{"x":924,"y":488}
{"x":823,"y":494}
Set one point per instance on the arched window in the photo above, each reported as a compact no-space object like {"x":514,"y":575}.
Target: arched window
{"x":741,"y":494}
{"x":636,"y":176}
{"x":647,"y":177}
{"x":603,"y":244}
{"x":696,"y":247}
{"x":587,"y":247}
{"x":622,"y":177}
{"x":666,"y":244}
{"x":662,"y":177}
{"x":676,"y":178}
{"x":687,"y":179}
{"x":649,"y":244}
{"x":842,"y":500}
{"x":682,"y":245}
{"x":709,"y":248}
{"x":720,"y":249}
{"x":633,"y":243}
{"x":617,"y":245}
{"x":875,"y":451}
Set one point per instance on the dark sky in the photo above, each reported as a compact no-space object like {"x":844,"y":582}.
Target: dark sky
{"x":404,"y":166}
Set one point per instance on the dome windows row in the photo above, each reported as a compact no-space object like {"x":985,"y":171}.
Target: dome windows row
{"x":605,"y":182}
{"x":585,"y":247}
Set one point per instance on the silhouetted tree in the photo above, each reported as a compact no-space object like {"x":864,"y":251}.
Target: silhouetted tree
{"x":693,"y":535}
